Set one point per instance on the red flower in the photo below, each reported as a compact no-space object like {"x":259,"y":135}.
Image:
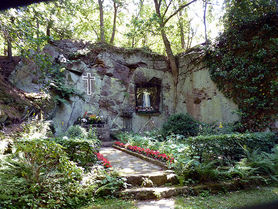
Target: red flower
{"x":105,"y":162}
{"x":150,"y":153}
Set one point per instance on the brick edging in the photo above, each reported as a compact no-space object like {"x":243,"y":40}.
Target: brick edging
{"x":143,"y":157}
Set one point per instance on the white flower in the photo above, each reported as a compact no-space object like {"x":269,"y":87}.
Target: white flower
{"x":84,"y":120}
{"x":65,"y":137}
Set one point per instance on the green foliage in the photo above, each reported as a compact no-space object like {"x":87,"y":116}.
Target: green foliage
{"x":40,"y":174}
{"x":216,"y":157}
{"x":228,"y":146}
{"x":263,"y":163}
{"x":108,"y":184}
{"x":238,"y":12}
{"x":217,"y":128}
{"x":192,"y":171}
{"x":243,"y":61}
{"x":180,"y":124}
{"x":36,"y":129}
{"x":76,"y":132}
{"x":58,"y":85}
{"x":117,"y":203}
{"x":237,"y":199}
{"x":81,"y":151}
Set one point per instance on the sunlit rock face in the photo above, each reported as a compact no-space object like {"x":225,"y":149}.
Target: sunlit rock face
{"x":114,"y":74}
{"x":199,"y":95}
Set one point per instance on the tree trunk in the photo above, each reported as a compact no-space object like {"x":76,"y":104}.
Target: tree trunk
{"x":38,"y":34}
{"x":181,"y":31}
{"x":170,"y":55}
{"x":173,"y":65}
{"x":101,"y":20}
{"x":48,"y":28}
{"x":189,"y":40}
{"x":145,"y":39}
{"x":114,"y":22}
{"x":133,"y":42}
{"x":9,"y":42}
{"x":205,"y":20}
{"x":9,"y":45}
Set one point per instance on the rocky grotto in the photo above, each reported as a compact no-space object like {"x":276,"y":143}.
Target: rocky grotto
{"x":131,"y":89}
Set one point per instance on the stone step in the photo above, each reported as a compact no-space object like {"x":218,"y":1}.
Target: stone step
{"x":107,"y":143}
{"x":153,"y":193}
{"x":153,"y":179}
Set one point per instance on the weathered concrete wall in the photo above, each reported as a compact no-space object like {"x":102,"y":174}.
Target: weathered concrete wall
{"x":116,"y":71}
{"x":198,"y":94}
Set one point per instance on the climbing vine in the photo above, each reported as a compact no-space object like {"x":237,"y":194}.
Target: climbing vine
{"x":244,"y":64}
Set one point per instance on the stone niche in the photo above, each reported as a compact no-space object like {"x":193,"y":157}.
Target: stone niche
{"x":133,"y":89}
{"x":148,"y":96}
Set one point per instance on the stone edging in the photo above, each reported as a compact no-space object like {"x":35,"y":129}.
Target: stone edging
{"x":150,"y":193}
{"x":143,"y":157}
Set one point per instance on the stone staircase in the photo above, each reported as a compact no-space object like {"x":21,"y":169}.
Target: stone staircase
{"x":153,"y":186}
{"x":146,"y":181}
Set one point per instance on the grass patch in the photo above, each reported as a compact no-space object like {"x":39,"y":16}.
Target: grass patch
{"x":111,"y":203}
{"x":229,"y":200}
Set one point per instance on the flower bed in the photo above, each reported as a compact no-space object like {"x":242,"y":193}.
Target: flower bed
{"x":147,"y":152}
{"x":105,"y":162}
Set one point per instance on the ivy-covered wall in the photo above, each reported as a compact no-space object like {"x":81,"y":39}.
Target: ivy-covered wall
{"x":244,"y":65}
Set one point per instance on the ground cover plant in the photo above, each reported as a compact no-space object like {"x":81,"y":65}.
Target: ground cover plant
{"x":55,"y":173}
{"x":237,"y":199}
{"x":215,"y":158}
{"x":81,"y":151}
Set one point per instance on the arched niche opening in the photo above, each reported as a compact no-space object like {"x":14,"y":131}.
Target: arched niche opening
{"x":147,"y":95}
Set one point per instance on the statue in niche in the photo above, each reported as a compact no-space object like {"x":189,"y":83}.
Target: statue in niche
{"x":146,"y":99}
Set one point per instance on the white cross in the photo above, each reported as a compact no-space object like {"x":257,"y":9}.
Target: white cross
{"x":89,"y":78}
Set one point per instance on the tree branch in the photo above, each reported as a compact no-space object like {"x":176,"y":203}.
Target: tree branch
{"x":157,"y":7}
{"x":177,"y":11}
{"x":166,"y":10}
{"x":159,"y":4}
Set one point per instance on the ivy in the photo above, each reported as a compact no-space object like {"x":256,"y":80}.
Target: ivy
{"x":244,"y":64}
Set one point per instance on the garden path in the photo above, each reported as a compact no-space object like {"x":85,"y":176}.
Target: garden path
{"x":127,"y":164}
{"x":156,"y":204}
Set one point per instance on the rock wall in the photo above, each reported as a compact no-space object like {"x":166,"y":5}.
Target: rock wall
{"x":198,"y":94}
{"x":115,"y":72}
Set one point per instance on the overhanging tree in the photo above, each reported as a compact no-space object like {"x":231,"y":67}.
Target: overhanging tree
{"x":161,"y":8}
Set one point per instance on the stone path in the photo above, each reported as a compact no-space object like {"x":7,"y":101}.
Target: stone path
{"x":132,"y":167}
{"x":156,"y":204}
{"x":127,"y":164}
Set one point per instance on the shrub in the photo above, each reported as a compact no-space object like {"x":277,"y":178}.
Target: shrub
{"x":180,"y":124}
{"x":76,"y":132}
{"x":81,"y":151}
{"x":108,"y":184}
{"x":229,"y":146}
{"x":40,"y":175}
{"x":217,"y":128}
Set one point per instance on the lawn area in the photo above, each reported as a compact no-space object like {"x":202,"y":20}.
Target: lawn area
{"x":204,"y":201}
{"x":229,"y":200}
{"x":111,"y":203}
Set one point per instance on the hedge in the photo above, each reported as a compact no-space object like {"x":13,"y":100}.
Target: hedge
{"x":229,"y":146}
{"x":81,"y":151}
